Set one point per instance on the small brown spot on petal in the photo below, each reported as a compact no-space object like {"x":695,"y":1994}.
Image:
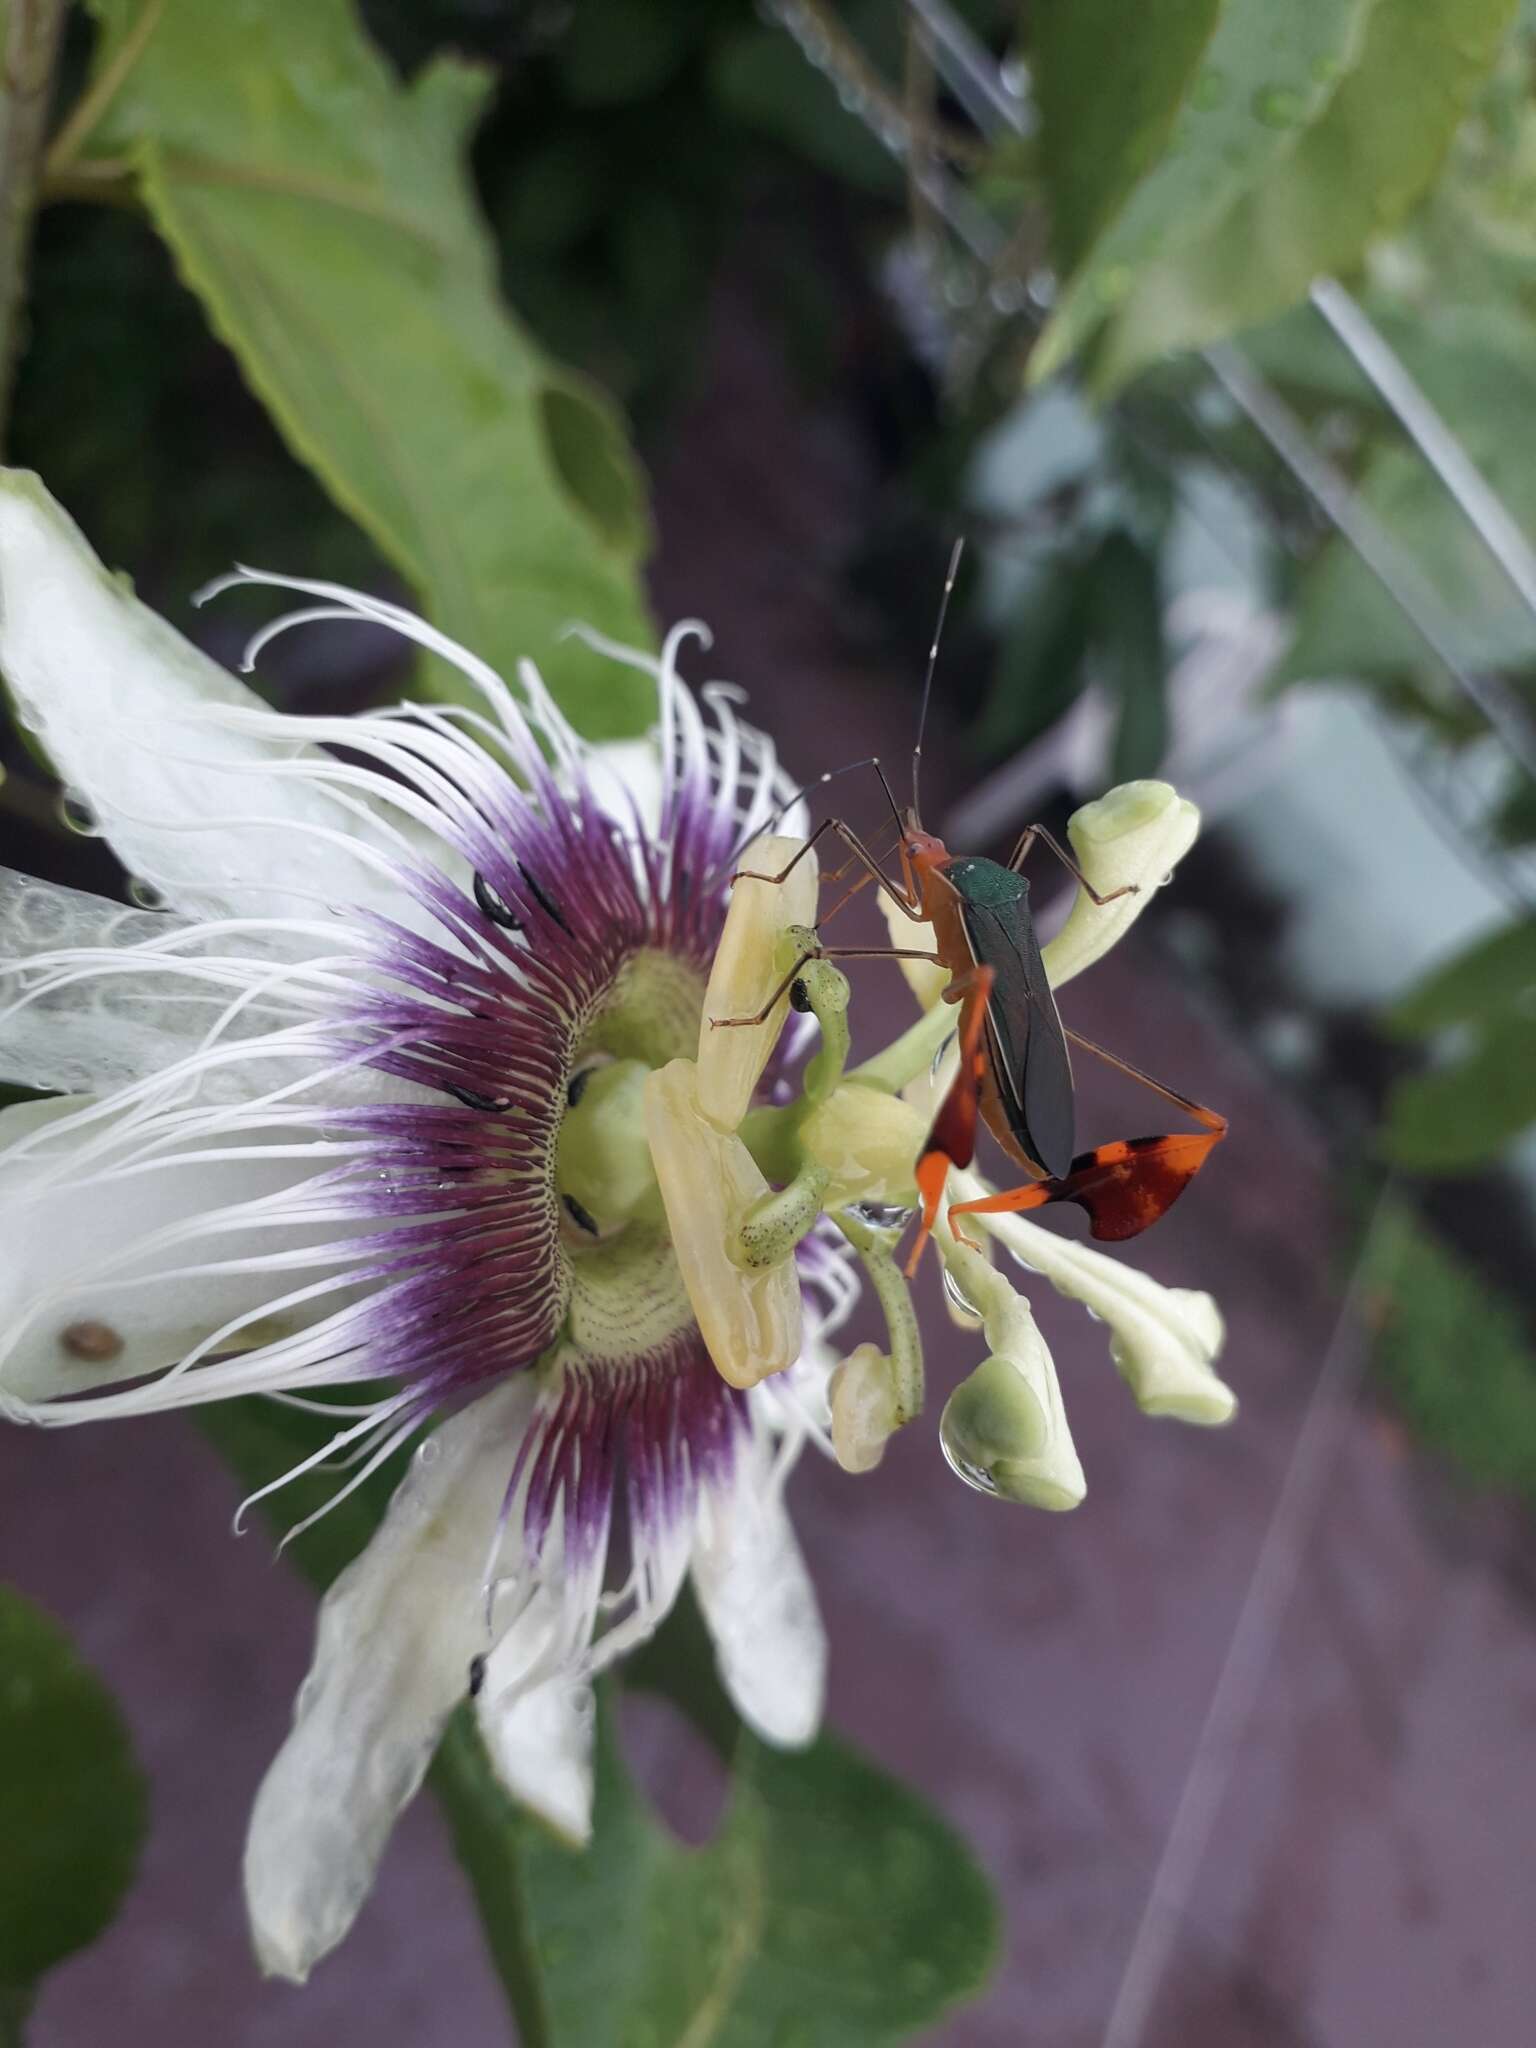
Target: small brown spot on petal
{"x":95,"y":1343}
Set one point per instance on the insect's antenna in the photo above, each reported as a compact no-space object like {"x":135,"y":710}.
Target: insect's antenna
{"x":890,"y":796}
{"x":789,"y":803}
{"x":933,"y":658}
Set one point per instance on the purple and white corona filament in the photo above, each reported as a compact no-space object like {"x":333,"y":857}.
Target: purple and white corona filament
{"x":363,"y":1105}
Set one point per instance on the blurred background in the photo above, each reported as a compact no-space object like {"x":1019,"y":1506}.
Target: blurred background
{"x":1213,"y":328}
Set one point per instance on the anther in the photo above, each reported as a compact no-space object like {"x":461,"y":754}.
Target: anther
{"x":492,"y":1104}
{"x":799,"y":997}
{"x":493,"y":906}
{"x":579,"y":1216}
{"x":476,"y":1676}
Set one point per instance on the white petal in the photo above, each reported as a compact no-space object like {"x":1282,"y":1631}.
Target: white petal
{"x":626,"y":775}
{"x":397,"y":1634}
{"x":1134,"y":836}
{"x":121,"y":702}
{"x":757,"y":1598}
{"x":104,"y":1259}
{"x":540,"y":1742}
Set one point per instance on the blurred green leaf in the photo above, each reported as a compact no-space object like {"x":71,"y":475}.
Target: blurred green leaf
{"x":1111,"y":84}
{"x":1129,"y":658}
{"x":1455,"y":1352}
{"x":321,"y":212}
{"x":1494,"y":974}
{"x":1039,"y":673}
{"x":1341,"y":183}
{"x":72,"y":1802}
{"x":1461,"y":1115}
{"x":1155,"y":120}
{"x":831,"y":1909}
{"x":762,"y":80}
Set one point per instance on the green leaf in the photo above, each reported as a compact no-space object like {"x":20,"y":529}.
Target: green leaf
{"x":72,"y":1802}
{"x":1455,"y":1351}
{"x":1342,"y":182}
{"x":1110,"y":83}
{"x":1130,"y":658}
{"x":1493,"y":974}
{"x":1040,"y":670}
{"x":1461,"y":1115}
{"x":1155,"y":119}
{"x":321,"y":212}
{"x":831,"y":1909}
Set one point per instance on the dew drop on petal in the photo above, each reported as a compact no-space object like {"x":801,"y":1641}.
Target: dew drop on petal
{"x":146,"y":895}
{"x":78,"y":815}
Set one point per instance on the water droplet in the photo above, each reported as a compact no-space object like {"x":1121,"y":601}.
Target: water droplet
{"x":78,"y":815}
{"x":1279,"y":107}
{"x":427,"y":1453}
{"x":883,"y":1215}
{"x":1009,"y":295}
{"x":1326,"y":69}
{"x":959,"y":1300}
{"x":1166,"y":880}
{"x":1210,"y":90}
{"x":146,"y":895}
{"x":1042,"y":288}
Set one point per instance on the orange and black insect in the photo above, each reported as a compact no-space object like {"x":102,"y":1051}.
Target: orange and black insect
{"x":1015,"y":1067}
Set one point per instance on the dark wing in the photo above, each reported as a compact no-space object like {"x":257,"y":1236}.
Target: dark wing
{"x":1024,"y":1034}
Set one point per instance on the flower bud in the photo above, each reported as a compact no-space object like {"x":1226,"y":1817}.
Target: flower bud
{"x":1003,"y":1440}
{"x":1134,"y":836}
{"x":748,"y":967}
{"x":750,"y":1321}
{"x":863,"y":1397}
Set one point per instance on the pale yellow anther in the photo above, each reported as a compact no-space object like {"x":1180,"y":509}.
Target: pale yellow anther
{"x":1134,"y":834}
{"x":863,"y":1398}
{"x":747,"y":968}
{"x":926,"y":980}
{"x":868,"y":1141}
{"x":1164,"y":1340}
{"x":750,"y":1321}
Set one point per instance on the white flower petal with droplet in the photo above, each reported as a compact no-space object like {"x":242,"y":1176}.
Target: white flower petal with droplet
{"x":121,"y":703}
{"x":396,"y":1635}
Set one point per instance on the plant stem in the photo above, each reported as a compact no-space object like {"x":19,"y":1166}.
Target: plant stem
{"x":31,"y":29}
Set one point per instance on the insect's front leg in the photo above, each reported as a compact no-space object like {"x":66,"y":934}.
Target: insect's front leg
{"x":1033,"y":832}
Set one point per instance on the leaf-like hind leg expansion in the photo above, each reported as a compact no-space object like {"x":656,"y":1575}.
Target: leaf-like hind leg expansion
{"x":1124,"y":1186}
{"x":952,"y":1140}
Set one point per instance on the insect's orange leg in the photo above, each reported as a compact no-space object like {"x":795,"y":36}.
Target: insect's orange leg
{"x":952,"y":1140}
{"x":1124,"y":1186}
